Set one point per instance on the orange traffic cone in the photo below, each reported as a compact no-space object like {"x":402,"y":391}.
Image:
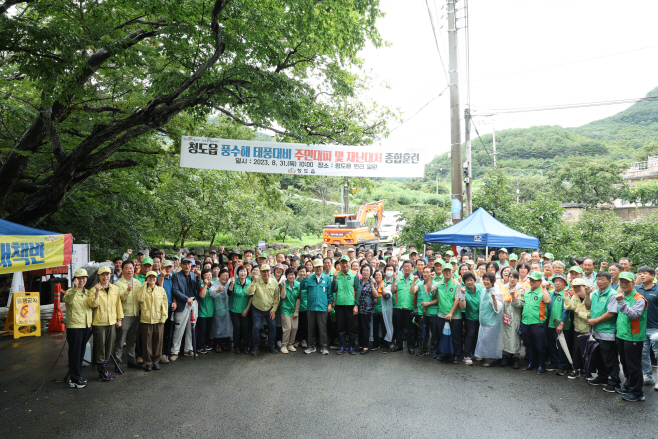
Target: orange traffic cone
{"x":57,"y":320}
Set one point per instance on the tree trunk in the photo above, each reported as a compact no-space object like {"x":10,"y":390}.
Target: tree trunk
{"x":212,"y":241}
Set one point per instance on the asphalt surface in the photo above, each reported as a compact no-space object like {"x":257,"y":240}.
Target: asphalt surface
{"x":298,"y":395}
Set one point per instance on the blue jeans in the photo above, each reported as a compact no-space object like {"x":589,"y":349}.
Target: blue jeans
{"x":257,"y":316}
{"x":646,"y":355}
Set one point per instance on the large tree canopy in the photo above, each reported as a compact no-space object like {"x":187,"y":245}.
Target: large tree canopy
{"x":87,"y":86}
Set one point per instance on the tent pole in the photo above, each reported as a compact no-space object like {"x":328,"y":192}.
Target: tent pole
{"x":486,"y":253}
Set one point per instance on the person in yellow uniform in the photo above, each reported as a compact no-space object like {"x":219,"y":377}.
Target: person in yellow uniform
{"x":154,"y":305}
{"x":78,"y":324}
{"x":128,"y":287}
{"x":105,"y":300}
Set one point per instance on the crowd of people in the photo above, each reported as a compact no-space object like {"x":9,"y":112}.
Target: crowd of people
{"x":499,"y":309}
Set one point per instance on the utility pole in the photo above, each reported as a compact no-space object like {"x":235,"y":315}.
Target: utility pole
{"x":346,"y":197}
{"x":517,"y":190}
{"x":494,"y":145}
{"x":469,"y":165}
{"x":455,"y":135}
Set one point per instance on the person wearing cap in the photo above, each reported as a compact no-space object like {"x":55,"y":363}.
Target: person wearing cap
{"x":78,"y":326}
{"x":471,"y":292}
{"x":558,"y":321}
{"x":141,"y":254}
{"x":154,"y":308}
{"x":631,"y":334}
{"x":427,"y":308}
{"x":128,"y":287}
{"x":319,"y":299}
{"x":513,"y":260}
{"x":350,"y":253}
{"x":185,"y":286}
{"x":549,"y":257}
{"x":512,"y":315}
{"x":403,"y":305}
{"x":104,"y":299}
{"x":451,"y":307}
{"x":265,"y":292}
{"x":574,"y":300}
{"x":534,"y":303}
{"x":576,"y":272}
{"x":164,"y":281}
{"x":347,"y":291}
{"x":649,"y":290}
{"x":603,"y":309}
{"x":502,"y":258}
{"x":147,"y":264}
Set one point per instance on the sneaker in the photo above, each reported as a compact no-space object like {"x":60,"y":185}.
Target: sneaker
{"x":632,"y":398}
{"x":291,"y":348}
{"x":611,"y":389}
{"x":202,"y":351}
{"x":375,"y":347}
{"x":254,"y":351}
{"x":324,"y":351}
{"x":164,"y":359}
{"x":598,"y":381}
{"x":79,"y":384}
{"x":560,"y":372}
{"x":621,"y":390}
{"x":278,"y":344}
{"x":385,"y":351}
{"x":655,"y":387}
{"x":303,"y":344}
{"x":284,"y":350}
{"x":648,"y":380}
{"x":573,"y":375}
{"x":468,"y":361}
{"x":310,"y":350}
{"x":551,"y":367}
{"x":272,"y":350}
{"x":173,"y":357}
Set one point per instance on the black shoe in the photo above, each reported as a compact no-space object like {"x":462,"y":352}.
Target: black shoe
{"x":551,"y":367}
{"x":560,"y":372}
{"x":573,"y":375}
{"x":598,"y":381}
{"x":411,"y":351}
{"x":384,"y":349}
{"x":202,"y":351}
{"x":441,"y":357}
{"x":246,"y":350}
{"x":254,"y":351}
{"x":148,"y":368}
{"x":156,"y":366}
{"x":364,"y":351}
{"x":396,"y":349}
{"x":611,"y":388}
{"x":272,"y":350}
{"x":236,"y":350}
{"x":516,"y":364}
{"x":455,"y":360}
{"x":133,"y":365}
{"x":504,"y":362}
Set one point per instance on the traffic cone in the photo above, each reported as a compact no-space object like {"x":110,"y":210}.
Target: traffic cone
{"x":57,"y":320}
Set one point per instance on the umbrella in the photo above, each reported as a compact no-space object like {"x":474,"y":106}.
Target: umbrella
{"x":587,"y":347}
{"x":445,"y":344}
{"x":563,"y":343}
{"x":171,"y":333}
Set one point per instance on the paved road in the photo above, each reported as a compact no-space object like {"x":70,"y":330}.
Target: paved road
{"x":297,"y":395}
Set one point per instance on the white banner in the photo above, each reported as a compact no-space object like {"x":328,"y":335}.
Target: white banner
{"x":297,"y":158}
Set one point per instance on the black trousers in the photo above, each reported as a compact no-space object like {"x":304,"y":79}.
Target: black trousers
{"x":377,"y":324}
{"x":346,"y":321}
{"x":558,"y":357}
{"x":77,"y":339}
{"x":471,"y":338}
{"x":302,"y":329}
{"x":241,"y":329}
{"x":364,"y":330}
{"x":456,"y":330}
{"x":431,"y":339}
{"x":577,"y":356}
{"x":166,"y":340}
{"x":607,"y":361}
{"x":534,"y":340}
{"x":203,"y":325}
{"x":630,"y":354}
{"x":403,"y":320}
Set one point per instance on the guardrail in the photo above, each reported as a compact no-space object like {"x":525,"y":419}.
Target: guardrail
{"x":641,"y":166}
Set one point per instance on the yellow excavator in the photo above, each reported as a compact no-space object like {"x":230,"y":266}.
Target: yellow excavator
{"x":360,"y":230}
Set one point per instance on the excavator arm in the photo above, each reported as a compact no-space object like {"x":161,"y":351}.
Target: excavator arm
{"x":377,"y":207}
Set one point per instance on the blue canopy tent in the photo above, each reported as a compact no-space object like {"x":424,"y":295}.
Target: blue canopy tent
{"x":482,"y":230}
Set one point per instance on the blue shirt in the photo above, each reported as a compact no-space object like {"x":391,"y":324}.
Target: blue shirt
{"x":652,"y":298}
{"x":166,"y":284}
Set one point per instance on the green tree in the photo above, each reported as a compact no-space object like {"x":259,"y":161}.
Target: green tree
{"x":419,"y":222}
{"x":590,"y":182}
{"x":89,"y":87}
{"x":494,"y":194}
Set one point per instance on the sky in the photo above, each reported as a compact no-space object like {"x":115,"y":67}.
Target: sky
{"x":522,"y":54}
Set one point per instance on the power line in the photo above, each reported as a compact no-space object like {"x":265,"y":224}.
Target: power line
{"x":495,"y":111}
{"x":478,"y":133}
{"x":563,"y":64}
{"x":421,"y":108}
{"x":429,"y":12}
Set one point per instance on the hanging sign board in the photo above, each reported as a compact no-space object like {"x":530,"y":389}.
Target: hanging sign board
{"x":297,"y":158}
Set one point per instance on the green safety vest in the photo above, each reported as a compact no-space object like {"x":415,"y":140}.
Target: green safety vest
{"x":600,"y":301}
{"x":557,"y":308}
{"x":345,"y":294}
{"x":472,"y":311}
{"x":447,"y":297}
{"x":287,"y":305}
{"x":636,"y":329}
{"x":534,"y":308}
{"x":424,"y":296}
{"x":404,"y":298}
{"x":238,"y":300}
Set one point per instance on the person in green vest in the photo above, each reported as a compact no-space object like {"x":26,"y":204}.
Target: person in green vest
{"x":631,"y":333}
{"x":428,"y":308}
{"x":403,"y":304}
{"x":471,"y":292}
{"x":556,"y":312}
{"x":603,"y":317}
{"x":240,"y":310}
{"x":534,"y":318}
{"x":302,"y":330}
{"x":289,"y":310}
{"x":450,"y":310}
{"x":145,"y":267}
{"x":346,"y":289}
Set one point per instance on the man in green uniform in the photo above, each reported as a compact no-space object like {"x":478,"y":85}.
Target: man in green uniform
{"x":631,"y":333}
{"x":556,"y":312}
{"x":533,"y":319}
{"x":449,"y":293}
{"x":403,"y":304}
{"x":427,"y":301}
{"x":347,"y":291}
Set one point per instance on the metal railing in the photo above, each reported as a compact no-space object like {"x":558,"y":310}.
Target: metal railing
{"x":641,"y":166}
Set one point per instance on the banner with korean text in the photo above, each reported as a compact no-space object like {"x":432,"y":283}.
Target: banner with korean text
{"x":25,"y":253}
{"x":297,"y":158}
